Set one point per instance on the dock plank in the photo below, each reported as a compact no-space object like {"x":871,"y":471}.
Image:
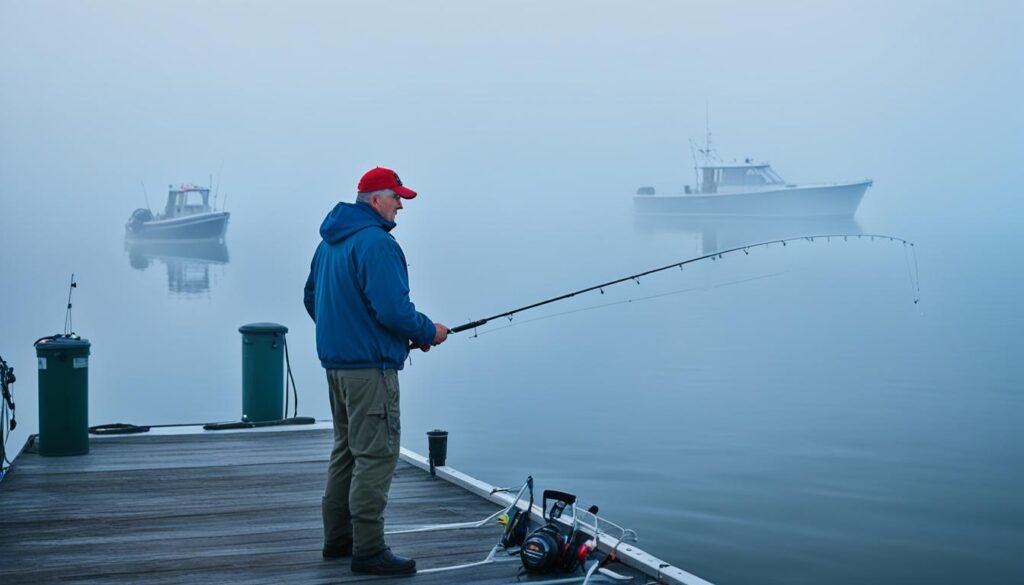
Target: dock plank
{"x":222,"y":508}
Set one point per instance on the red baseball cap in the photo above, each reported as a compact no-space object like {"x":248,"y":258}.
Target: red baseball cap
{"x":379,"y":178}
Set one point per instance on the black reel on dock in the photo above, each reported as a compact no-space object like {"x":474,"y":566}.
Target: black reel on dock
{"x":555,"y":547}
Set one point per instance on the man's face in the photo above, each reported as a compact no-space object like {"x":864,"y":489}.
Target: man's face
{"x":388,"y":206}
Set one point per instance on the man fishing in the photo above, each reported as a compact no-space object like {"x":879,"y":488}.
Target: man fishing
{"x":357,"y":293}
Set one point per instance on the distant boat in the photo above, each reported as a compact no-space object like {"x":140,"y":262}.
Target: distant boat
{"x":751,"y":189}
{"x":187,"y":215}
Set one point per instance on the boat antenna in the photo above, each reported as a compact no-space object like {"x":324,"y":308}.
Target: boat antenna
{"x":914,"y":281}
{"x":220,"y":173}
{"x":68,"y":326}
{"x":696,"y":165}
{"x":708,"y":150}
{"x":146,"y":195}
{"x":707,"y":127}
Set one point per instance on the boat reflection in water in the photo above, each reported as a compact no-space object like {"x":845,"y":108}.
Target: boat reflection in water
{"x":188,"y":262}
{"x":716,"y":234}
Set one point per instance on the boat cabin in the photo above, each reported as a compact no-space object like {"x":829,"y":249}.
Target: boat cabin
{"x":187,"y":200}
{"x":745,"y":176}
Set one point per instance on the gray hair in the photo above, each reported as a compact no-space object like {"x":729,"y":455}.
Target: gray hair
{"x":364,"y":196}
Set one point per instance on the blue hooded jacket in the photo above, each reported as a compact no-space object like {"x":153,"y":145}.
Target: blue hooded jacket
{"x":357,"y":293}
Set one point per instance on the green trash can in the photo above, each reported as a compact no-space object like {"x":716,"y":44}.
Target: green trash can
{"x":263,"y":371}
{"x":63,"y":395}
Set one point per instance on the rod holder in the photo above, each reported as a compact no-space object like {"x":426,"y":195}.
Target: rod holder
{"x":437,"y":448}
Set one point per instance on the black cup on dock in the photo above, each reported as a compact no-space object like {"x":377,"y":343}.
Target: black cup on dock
{"x":437,"y":448}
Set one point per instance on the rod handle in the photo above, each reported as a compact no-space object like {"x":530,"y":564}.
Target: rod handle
{"x":462,"y":327}
{"x":469,"y":325}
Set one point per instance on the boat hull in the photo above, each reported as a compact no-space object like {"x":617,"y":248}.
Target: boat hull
{"x":789,"y":201}
{"x":192,"y":227}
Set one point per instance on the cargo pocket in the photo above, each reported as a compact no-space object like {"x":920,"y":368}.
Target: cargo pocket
{"x":376,"y":431}
{"x":394,"y":428}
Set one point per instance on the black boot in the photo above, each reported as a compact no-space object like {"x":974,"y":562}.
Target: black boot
{"x":384,"y":563}
{"x":338,"y":552}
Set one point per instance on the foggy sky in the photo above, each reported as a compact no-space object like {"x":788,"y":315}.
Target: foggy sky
{"x":572,"y":96}
{"x":494,"y":111}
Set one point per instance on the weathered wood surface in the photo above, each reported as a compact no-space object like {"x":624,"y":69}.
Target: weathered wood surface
{"x":215,"y":508}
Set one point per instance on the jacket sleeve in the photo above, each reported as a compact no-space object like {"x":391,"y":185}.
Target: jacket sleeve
{"x":309,"y":294}
{"x":385,"y":282}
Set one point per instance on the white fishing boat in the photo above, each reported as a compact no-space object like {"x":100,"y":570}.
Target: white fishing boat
{"x":750,"y":189}
{"x":187,"y":215}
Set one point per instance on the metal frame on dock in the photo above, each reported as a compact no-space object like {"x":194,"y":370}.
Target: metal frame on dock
{"x":625,"y":552}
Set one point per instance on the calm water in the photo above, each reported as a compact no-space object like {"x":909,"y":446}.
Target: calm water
{"x":785,"y":417}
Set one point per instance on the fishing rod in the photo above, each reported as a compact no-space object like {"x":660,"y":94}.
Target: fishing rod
{"x":712,"y":256}
{"x":629,"y":300}
{"x":146,"y":195}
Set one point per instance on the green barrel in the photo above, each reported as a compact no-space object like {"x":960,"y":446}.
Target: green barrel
{"x":263,"y":371}
{"x":63,"y":395}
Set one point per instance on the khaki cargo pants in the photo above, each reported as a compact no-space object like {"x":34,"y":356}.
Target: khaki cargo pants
{"x":367,"y":435}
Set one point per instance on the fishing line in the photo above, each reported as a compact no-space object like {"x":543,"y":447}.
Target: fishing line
{"x":915,"y":280}
{"x":915,"y":288}
{"x":632,"y":300}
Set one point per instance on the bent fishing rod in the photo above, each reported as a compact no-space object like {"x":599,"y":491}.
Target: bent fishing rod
{"x":713,"y":256}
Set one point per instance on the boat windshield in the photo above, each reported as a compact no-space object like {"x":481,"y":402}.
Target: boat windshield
{"x":187,"y":202}
{"x":747,"y":177}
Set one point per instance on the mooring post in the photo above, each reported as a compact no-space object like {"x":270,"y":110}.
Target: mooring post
{"x":437,"y":448}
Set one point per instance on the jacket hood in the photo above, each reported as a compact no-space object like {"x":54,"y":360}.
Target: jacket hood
{"x":348,"y":218}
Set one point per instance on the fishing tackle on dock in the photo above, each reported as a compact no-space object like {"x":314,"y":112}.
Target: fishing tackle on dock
{"x":7,"y":412}
{"x":574,"y":550}
{"x":907,"y":245}
{"x":555,"y":547}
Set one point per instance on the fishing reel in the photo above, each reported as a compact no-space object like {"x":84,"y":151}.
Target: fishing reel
{"x":555,"y":547}
{"x":517,"y":521}
{"x":516,"y":526}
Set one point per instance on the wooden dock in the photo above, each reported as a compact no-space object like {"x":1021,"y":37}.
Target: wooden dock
{"x":234,"y":507}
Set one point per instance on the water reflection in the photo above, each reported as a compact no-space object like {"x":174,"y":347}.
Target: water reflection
{"x":725,"y":233}
{"x":188,"y":262}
